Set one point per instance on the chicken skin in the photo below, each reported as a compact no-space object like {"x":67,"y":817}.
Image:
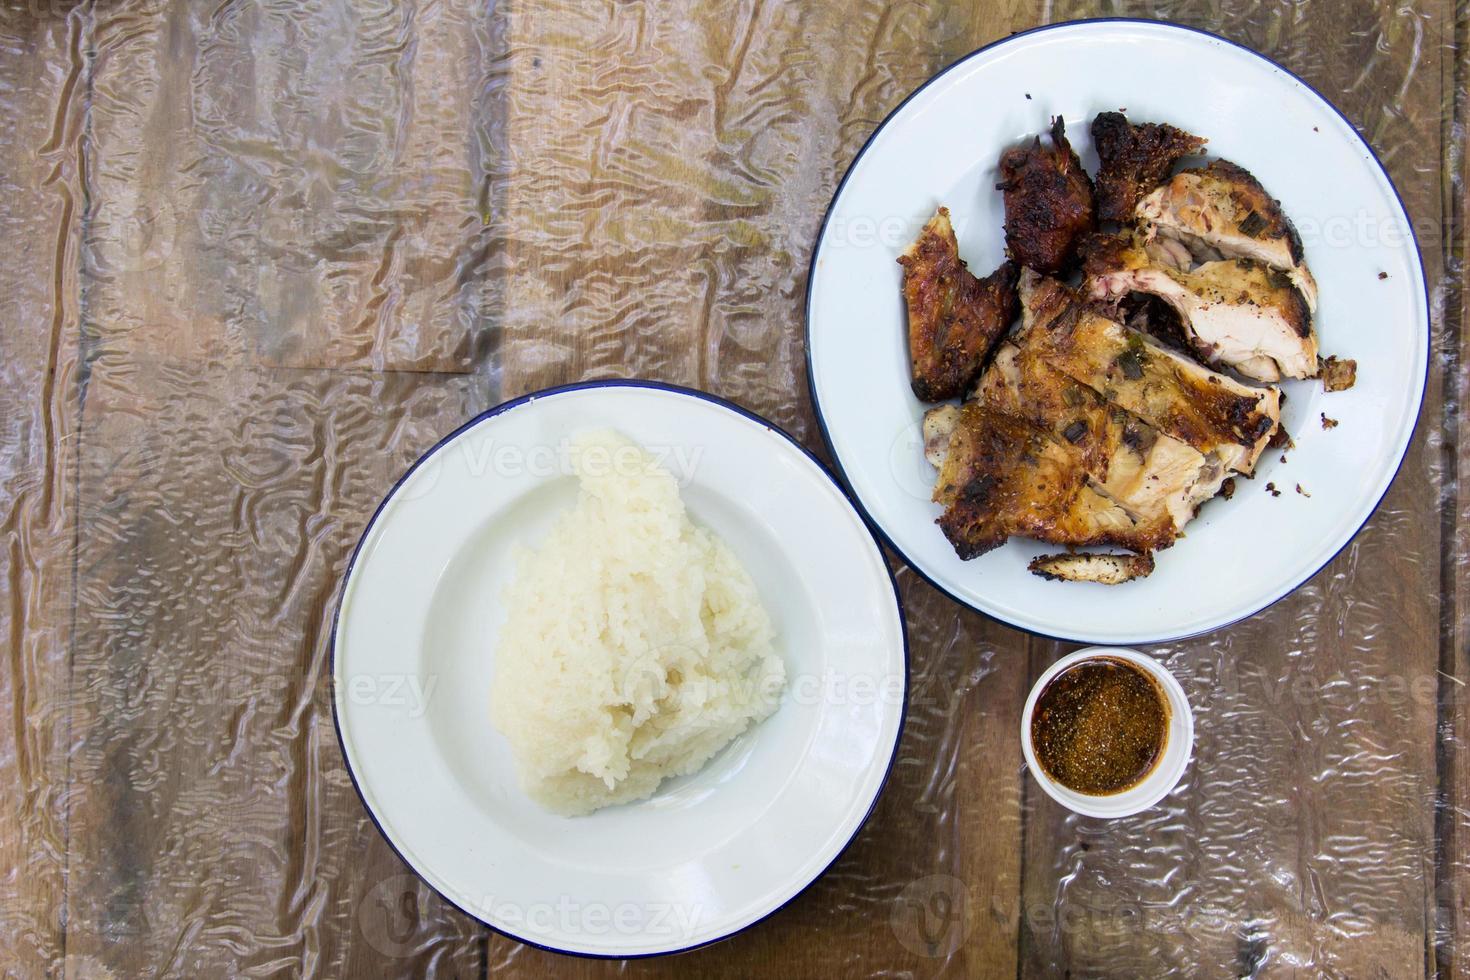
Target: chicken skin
{"x":1237,"y":313}
{"x":1048,"y":202}
{"x":1134,"y":158}
{"x":953,"y":317}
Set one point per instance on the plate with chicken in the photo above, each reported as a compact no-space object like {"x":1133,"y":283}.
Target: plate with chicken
{"x":1117,"y":331}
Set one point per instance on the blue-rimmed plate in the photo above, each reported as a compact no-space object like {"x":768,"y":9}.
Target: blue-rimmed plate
{"x":708,"y":854}
{"x":941,"y":147}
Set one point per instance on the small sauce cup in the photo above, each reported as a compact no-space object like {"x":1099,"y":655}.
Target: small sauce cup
{"x":1165,"y":774}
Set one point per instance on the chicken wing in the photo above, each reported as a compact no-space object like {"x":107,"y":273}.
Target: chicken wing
{"x":1235,"y":312}
{"x":1048,"y":201}
{"x":1222,"y":208}
{"x":1133,"y":160}
{"x":954,"y":318}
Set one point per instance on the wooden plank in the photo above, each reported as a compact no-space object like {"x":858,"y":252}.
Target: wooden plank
{"x":297,"y":186}
{"x":1300,"y":839}
{"x":1452,"y":955}
{"x":664,"y":209}
{"x":293,"y":215}
{"x":214,"y":829}
{"x":661,"y":220}
{"x":41,"y":68}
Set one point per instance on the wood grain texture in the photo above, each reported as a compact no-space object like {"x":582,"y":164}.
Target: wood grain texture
{"x":40,"y":223}
{"x":255,"y":384}
{"x":214,"y":827}
{"x":292,"y":186}
{"x":1453,"y":816}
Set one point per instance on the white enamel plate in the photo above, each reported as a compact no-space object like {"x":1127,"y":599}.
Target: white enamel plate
{"x":708,"y":854}
{"x":941,"y":147}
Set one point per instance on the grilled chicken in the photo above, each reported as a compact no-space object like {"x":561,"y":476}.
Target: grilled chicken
{"x":1103,"y":569}
{"x":1037,"y":454}
{"x":1134,"y":159}
{"x":1235,"y":312}
{"x":1004,"y":476}
{"x":1150,"y":475}
{"x":939,"y":425}
{"x":1222,"y":211}
{"x":1339,"y":374}
{"x":1199,"y":407}
{"x":1048,"y":199}
{"x":1151,"y":315}
{"x":954,"y":318}
{"x":1081,"y":433}
{"x":1085,"y":431}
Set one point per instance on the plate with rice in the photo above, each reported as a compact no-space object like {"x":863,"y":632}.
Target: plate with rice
{"x":618,"y":669}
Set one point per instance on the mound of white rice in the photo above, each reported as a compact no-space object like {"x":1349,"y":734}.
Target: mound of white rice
{"x":636,"y":646}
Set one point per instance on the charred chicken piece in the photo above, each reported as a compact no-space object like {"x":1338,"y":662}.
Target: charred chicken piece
{"x":1134,"y":159}
{"x":1102,"y":569}
{"x":954,"y":318}
{"x":1150,"y":475}
{"x":1339,"y":374}
{"x":1223,"y":211}
{"x":1151,"y":315}
{"x":1004,"y":476}
{"x":1048,"y":200}
{"x":1204,"y":409}
{"x":1235,"y":312}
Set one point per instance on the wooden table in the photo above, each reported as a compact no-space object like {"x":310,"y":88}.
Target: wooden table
{"x":258,"y":257}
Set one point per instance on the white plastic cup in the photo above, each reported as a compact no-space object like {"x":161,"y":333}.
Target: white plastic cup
{"x":1166,"y":773}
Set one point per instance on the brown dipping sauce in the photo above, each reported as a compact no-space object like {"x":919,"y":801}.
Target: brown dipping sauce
{"x":1100,"y":726}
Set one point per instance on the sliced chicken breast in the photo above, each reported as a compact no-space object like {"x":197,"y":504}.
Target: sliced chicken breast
{"x":1204,"y":409}
{"x":1150,"y":475}
{"x":1223,"y":211}
{"x":1237,"y":313}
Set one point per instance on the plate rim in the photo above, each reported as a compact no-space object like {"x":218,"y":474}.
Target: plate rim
{"x":882,"y":533}
{"x":670,"y":388}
